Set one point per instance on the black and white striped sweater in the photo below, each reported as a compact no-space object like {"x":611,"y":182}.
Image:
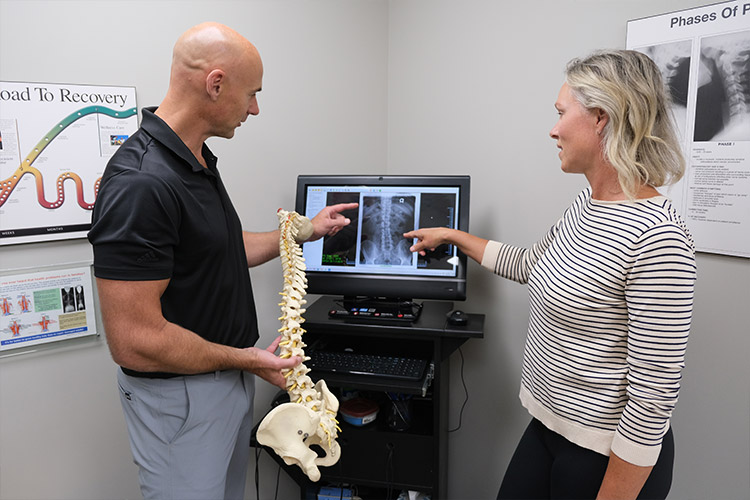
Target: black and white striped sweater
{"x":611,"y":297}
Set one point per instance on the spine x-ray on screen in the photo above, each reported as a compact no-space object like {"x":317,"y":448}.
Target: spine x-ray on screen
{"x":374,"y":241}
{"x":384,"y":220}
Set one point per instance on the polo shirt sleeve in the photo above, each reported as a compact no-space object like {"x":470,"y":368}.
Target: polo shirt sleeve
{"x":135,"y":228}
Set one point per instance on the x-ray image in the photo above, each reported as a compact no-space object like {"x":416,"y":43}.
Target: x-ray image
{"x":341,"y":248}
{"x":384,"y":221}
{"x":673,"y":59}
{"x":80,"y":300}
{"x":723,"y":99}
{"x":68,"y":299}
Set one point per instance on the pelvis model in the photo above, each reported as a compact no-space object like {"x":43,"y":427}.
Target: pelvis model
{"x":309,"y":419}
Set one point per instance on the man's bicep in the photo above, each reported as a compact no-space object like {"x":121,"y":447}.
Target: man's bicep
{"x":133,"y":300}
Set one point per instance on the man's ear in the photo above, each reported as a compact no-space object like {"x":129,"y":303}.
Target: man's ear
{"x":214,"y":82}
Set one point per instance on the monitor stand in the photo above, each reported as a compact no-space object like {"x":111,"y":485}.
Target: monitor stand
{"x":377,"y":309}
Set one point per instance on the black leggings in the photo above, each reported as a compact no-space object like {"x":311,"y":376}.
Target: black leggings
{"x":546,"y":465}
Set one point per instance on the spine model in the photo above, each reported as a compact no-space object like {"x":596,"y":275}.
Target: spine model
{"x":309,"y":419}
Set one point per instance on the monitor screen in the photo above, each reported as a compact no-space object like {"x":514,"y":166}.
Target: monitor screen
{"x":370,"y":257}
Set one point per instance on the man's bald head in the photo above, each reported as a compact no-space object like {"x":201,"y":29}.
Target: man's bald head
{"x":210,"y":45}
{"x":215,"y":76}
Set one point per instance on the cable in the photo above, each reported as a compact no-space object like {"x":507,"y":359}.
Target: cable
{"x":257,"y":476}
{"x":466,"y":391}
{"x":389,"y":471}
{"x":418,"y":305}
{"x":341,"y":474}
{"x":257,"y":473}
{"x":278,"y":473}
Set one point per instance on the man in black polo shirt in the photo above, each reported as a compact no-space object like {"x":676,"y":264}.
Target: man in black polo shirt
{"x":171,"y":262}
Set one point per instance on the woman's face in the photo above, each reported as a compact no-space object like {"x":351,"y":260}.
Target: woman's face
{"x":577,"y":133}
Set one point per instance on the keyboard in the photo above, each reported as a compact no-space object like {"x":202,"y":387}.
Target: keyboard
{"x":367,"y":364}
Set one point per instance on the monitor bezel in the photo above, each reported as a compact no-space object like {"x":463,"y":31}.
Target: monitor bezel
{"x":390,"y":286}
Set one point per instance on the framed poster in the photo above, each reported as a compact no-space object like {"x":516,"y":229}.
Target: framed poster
{"x":704,"y":56}
{"x":46,"y":306}
{"x":55,"y":141}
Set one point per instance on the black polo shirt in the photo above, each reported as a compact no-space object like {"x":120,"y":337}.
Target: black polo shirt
{"x":161,"y":215}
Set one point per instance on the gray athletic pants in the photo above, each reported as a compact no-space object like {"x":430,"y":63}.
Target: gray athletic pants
{"x":190,"y":436}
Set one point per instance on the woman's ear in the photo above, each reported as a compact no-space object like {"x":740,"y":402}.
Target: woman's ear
{"x":602,"y":118}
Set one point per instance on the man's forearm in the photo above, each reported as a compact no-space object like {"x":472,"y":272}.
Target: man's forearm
{"x":260,"y":247}
{"x":140,"y":338}
{"x":172,"y":349}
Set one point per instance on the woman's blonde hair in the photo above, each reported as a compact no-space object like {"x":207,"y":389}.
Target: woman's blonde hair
{"x":639,"y":139}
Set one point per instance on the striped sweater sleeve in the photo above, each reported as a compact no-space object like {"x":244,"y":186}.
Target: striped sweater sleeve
{"x":515,"y":263}
{"x":659,"y":296}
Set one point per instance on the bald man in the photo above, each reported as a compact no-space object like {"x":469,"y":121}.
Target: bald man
{"x":171,"y":263}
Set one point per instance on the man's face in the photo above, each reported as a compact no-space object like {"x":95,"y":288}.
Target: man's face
{"x":239,"y":97}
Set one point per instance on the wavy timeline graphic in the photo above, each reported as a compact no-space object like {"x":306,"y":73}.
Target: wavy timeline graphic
{"x":7,"y":185}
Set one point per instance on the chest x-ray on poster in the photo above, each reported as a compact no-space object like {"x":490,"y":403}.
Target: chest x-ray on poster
{"x":46,"y":306}
{"x":704,"y":56}
{"x":55,"y":141}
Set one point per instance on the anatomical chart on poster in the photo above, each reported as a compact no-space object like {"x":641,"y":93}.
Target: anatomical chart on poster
{"x":704,"y":55}
{"x":55,"y":141}
{"x":45,"y":306}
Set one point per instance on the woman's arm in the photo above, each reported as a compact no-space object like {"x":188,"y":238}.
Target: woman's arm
{"x":623,"y":480}
{"x":659,"y":295}
{"x":433,"y":237}
{"x":513,"y":263}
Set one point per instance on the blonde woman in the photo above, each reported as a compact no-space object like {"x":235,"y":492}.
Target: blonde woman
{"x":611,"y":294}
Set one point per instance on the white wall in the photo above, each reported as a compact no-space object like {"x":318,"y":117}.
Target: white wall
{"x":405,"y":86}
{"x":471,"y":90}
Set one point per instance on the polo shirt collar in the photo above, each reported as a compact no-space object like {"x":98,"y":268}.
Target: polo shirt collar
{"x":159,"y":130}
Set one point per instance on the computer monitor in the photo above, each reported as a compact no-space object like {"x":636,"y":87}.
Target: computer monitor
{"x":370,"y":259}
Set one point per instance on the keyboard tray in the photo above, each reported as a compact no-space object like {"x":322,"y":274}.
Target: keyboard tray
{"x":367,"y":364}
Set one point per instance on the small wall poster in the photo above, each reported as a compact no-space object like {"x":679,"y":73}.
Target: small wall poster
{"x":47,"y":306}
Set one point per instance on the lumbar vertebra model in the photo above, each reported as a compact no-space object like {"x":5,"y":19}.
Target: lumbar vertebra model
{"x":310,"y":416}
